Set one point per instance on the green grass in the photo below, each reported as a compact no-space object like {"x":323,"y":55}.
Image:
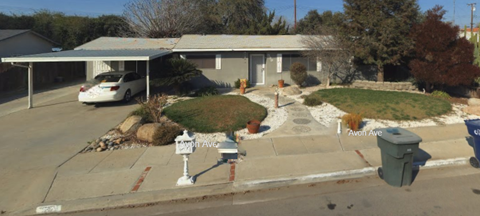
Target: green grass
{"x":221,"y":113}
{"x":385,"y":104}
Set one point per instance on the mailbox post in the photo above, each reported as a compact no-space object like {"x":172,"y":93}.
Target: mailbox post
{"x":185,"y":145}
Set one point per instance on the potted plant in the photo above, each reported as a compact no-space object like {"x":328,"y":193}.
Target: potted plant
{"x":281,"y":81}
{"x":352,"y":121}
{"x":253,"y":126}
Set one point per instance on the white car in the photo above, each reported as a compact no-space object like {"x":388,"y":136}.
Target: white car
{"x":112,"y":86}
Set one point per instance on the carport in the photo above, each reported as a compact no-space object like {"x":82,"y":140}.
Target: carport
{"x":84,"y":56}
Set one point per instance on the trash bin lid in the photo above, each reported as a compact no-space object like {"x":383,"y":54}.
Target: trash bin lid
{"x":473,"y":122}
{"x":399,"y":136}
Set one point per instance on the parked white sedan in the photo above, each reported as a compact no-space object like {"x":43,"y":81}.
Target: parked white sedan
{"x":112,"y":86}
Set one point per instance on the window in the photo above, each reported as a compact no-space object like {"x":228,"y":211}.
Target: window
{"x":108,"y":78}
{"x":203,"y":61}
{"x":289,"y":59}
{"x":129,"y":77}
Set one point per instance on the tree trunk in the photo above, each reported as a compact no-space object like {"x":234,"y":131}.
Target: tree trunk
{"x":380,"y":73}
{"x":328,"y":80}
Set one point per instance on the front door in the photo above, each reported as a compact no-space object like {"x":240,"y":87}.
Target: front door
{"x":257,"y":69}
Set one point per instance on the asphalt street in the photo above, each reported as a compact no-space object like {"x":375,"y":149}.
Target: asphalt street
{"x":443,"y":191}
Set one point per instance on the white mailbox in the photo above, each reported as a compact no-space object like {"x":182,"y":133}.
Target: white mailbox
{"x":185,"y":144}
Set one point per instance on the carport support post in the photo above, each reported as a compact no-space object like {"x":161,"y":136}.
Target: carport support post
{"x":148,"y":80}
{"x":30,"y":85}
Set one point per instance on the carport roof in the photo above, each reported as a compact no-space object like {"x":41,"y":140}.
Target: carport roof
{"x":92,"y":55}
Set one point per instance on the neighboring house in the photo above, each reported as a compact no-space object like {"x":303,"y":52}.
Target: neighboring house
{"x":469,"y":33}
{"x":262,"y":59}
{"x":23,"y":42}
{"x":117,"y":45}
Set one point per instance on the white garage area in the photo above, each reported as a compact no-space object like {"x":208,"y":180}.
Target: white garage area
{"x":119,"y":55}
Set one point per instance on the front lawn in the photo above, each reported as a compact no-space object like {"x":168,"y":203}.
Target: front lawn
{"x":385,"y":104}
{"x":220,"y":113}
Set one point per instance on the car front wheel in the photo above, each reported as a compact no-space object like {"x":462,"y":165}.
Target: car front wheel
{"x":128,"y":96}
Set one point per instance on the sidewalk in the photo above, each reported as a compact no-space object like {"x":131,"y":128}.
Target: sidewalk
{"x":148,"y":175}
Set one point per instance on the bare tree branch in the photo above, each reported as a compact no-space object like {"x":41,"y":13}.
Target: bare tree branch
{"x":325,"y":46}
{"x":162,"y":18}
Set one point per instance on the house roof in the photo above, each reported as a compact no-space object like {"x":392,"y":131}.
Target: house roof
{"x":117,"y":43}
{"x":469,"y":30}
{"x":91,"y":55}
{"x":9,"y":33}
{"x":198,"y":43}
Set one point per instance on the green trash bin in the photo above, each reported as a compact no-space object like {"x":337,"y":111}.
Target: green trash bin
{"x":398,"y":146}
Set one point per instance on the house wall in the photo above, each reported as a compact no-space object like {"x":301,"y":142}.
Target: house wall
{"x":140,"y":67}
{"x":24,"y":44}
{"x":236,"y":65}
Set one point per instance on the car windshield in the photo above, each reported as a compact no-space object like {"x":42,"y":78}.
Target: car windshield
{"x":108,"y":78}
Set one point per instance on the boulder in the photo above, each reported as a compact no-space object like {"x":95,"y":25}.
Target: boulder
{"x":291,"y":90}
{"x":131,"y":124}
{"x":146,"y":131}
{"x":473,"y":110}
{"x":474,"y":102}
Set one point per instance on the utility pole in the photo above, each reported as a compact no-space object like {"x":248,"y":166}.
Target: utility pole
{"x":295,"y":13}
{"x":472,"y":5}
{"x":454,"y":12}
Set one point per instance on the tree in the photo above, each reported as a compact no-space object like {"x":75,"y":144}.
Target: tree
{"x":236,"y":16}
{"x":313,"y":20}
{"x":162,"y":18}
{"x":326,"y":46}
{"x":441,"y":57}
{"x":178,"y":71}
{"x":376,"y":30}
{"x":267,"y":26}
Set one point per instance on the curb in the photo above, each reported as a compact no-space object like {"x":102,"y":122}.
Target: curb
{"x":152,"y":197}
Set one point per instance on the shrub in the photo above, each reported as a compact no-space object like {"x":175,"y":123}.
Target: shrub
{"x":440,"y":94}
{"x":298,"y":73}
{"x":237,"y":84}
{"x":165,"y":135}
{"x":185,"y":89}
{"x":142,"y":112}
{"x":313,"y":100}
{"x":352,"y":120}
{"x":206,"y":91}
{"x":154,"y":106}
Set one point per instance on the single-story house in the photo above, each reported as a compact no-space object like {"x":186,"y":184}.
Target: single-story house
{"x":23,"y":42}
{"x":262,"y":59}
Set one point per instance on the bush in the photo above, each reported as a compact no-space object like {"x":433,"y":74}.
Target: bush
{"x":237,"y":84}
{"x":298,"y":73}
{"x":165,"y":135}
{"x":352,"y":120}
{"x":206,"y":91}
{"x":142,"y":112}
{"x":154,"y":107}
{"x":440,"y":94}
{"x":312,"y":100}
{"x":185,"y":89}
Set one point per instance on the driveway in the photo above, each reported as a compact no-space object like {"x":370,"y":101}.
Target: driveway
{"x":33,"y":143}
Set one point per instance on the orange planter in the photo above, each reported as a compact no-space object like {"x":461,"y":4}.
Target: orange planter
{"x":253,"y":126}
{"x":280,"y":83}
{"x":242,"y":91}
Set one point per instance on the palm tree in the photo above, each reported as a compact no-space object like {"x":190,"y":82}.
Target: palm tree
{"x":177,"y":72}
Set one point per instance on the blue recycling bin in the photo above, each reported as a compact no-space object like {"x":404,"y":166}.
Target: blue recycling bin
{"x":473,"y":127}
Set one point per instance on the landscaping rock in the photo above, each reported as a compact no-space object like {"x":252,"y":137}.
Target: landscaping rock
{"x":99,"y":149}
{"x":474,"y":102}
{"x":118,"y":141}
{"x":146,"y":131}
{"x":102,"y":145}
{"x":473,"y":110}
{"x":131,"y":124}
{"x":291,"y":90}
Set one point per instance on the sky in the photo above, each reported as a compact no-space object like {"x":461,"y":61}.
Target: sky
{"x":282,"y":7}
